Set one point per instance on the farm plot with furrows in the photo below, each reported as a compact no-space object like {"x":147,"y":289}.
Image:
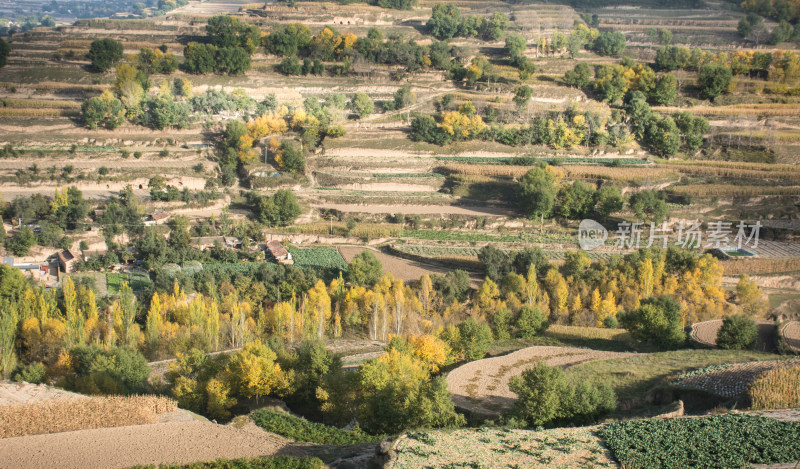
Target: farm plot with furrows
{"x":482,"y":386}
{"x":507,"y":448}
{"x":436,"y":251}
{"x":729,"y":379}
{"x":790,"y":332}
{"x":705,"y":333}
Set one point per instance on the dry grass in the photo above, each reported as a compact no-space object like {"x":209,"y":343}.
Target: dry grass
{"x":81,"y":414}
{"x":39,"y":103}
{"x":572,"y":171}
{"x":28,"y":112}
{"x":760,"y":266}
{"x":772,"y":109}
{"x":776,"y":389}
{"x":702,"y":190}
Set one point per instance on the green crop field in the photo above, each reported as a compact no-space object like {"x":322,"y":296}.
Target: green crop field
{"x":137,"y":281}
{"x":320,"y":258}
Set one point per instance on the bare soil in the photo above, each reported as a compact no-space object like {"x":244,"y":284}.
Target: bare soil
{"x":420,"y":209}
{"x":403,"y":269}
{"x":482,"y":386}
{"x":705,"y":333}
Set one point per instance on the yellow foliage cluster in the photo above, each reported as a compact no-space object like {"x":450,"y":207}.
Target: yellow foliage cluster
{"x":461,"y":126}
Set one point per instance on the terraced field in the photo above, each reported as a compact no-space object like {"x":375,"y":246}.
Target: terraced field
{"x":482,"y":386}
{"x":728,"y":380}
{"x":705,"y":333}
{"x":790,"y":332}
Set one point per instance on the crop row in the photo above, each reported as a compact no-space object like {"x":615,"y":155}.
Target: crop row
{"x":530,"y":161}
{"x":573,"y":171}
{"x":450,"y":235}
{"x":734,"y":190}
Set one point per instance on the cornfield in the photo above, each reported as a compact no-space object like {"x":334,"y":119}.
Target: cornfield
{"x":39,"y":103}
{"x":20,"y":112}
{"x":573,"y":171}
{"x":734,"y":190}
{"x":57,"y":86}
{"x":81,"y":414}
{"x":773,"y":109}
{"x":727,"y":171}
{"x":776,"y":389}
{"x":759,"y":266}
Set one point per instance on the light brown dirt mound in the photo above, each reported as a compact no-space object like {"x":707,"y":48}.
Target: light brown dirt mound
{"x":791,"y":335}
{"x":705,"y":333}
{"x":482,"y":386}
{"x":165,"y":443}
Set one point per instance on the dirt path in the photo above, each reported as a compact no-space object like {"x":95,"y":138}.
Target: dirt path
{"x":420,"y":209}
{"x":482,"y":386}
{"x":403,"y":269}
{"x":162,"y":443}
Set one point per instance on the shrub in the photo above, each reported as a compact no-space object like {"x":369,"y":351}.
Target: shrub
{"x":531,"y":322}
{"x":105,"y":53}
{"x":300,"y":429}
{"x":34,"y":373}
{"x":657,"y":321}
{"x":738,"y":332}
{"x":545,"y":396}
{"x":470,"y":339}
{"x":118,"y":370}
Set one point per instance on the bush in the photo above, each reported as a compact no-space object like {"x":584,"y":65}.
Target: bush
{"x":365,"y":269}
{"x":545,"y":396}
{"x":105,"y":53}
{"x":714,"y":80}
{"x":34,"y":373}
{"x":531,"y":322}
{"x":117,"y":370}
{"x":470,"y":339}
{"x":738,"y":332}
{"x":300,"y":429}
{"x":610,"y":43}
{"x":657,"y":321}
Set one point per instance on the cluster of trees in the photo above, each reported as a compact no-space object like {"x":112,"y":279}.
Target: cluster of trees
{"x":314,"y":121}
{"x":542,"y":193}
{"x":612,"y":82}
{"x":664,"y":135}
{"x":516,"y":46}
{"x":230,"y":45}
{"x":447,"y":22}
{"x":780,"y":10}
{"x":556,"y":129}
{"x":279,"y":209}
{"x":43,"y":220}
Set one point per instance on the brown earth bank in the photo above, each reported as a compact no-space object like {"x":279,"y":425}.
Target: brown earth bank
{"x":162,"y":443}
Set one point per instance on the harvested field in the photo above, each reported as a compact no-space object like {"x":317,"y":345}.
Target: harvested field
{"x":23,"y":393}
{"x":705,"y":333}
{"x":790,"y":332}
{"x":482,"y":386}
{"x":731,"y":379}
{"x":402,"y":269}
{"x":64,"y":415}
{"x":420,"y":209}
{"x":165,"y":443}
{"x":491,"y":447}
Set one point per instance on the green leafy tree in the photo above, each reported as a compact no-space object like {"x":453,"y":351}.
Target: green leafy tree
{"x":692,"y":129}
{"x":200,"y":58}
{"x":531,"y":322}
{"x":445,"y":21}
{"x":662,"y":136}
{"x":545,"y":397}
{"x":665,"y":91}
{"x":649,"y":205}
{"x":470,"y":339}
{"x":610,"y":43}
{"x":714,"y":80}
{"x":292,"y":158}
{"x":362,"y":105}
{"x":105,"y":53}
{"x":607,"y":200}
{"x":522,"y":94}
{"x":536,"y":193}
{"x":738,"y":332}
{"x":580,"y":76}
{"x":365,"y":269}
{"x":656,"y":321}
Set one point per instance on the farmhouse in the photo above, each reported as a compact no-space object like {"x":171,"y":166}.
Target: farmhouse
{"x":207,"y":242}
{"x":279,"y":253}
{"x":67,"y":260}
{"x":157,"y":219}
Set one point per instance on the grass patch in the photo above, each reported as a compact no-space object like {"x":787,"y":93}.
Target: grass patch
{"x":635,"y":376}
{"x":267,"y":462}
{"x":721,"y":442}
{"x":302,"y":430}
